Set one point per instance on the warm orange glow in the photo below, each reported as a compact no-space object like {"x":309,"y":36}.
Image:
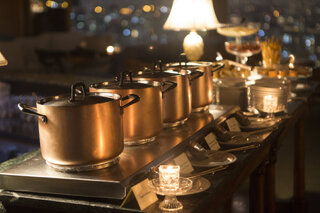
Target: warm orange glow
{"x":65,"y":4}
{"x":125,"y":11}
{"x":3,"y":60}
{"x":276,"y":13}
{"x":98,"y":9}
{"x":49,"y":3}
{"x":146,"y":8}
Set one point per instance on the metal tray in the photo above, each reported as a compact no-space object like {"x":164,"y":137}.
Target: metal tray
{"x":30,"y":173}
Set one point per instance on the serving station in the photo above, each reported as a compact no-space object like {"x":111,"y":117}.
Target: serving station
{"x":99,"y":144}
{"x":33,"y":174}
{"x":28,"y":182}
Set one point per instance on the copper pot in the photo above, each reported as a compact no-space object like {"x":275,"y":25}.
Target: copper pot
{"x":81,"y":132}
{"x":202,"y":87}
{"x":143,"y":121}
{"x":176,"y":102}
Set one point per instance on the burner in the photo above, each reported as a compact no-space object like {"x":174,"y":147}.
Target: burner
{"x":83,"y":168}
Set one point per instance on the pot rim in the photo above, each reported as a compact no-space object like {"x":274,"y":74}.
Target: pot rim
{"x":151,"y":75}
{"x":190,"y":64}
{"x":100,"y":86}
{"x":113,"y":96}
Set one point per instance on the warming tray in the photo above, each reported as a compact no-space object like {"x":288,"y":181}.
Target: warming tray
{"x":33,"y":175}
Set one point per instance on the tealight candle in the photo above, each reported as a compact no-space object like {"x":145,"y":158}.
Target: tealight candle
{"x":270,"y":103}
{"x":169,"y":177}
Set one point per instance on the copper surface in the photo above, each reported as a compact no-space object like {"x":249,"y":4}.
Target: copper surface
{"x":81,"y":135}
{"x":176,"y":102}
{"x":144,"y":119}
{"x":202,"y":87}
{"x":113,"y":182}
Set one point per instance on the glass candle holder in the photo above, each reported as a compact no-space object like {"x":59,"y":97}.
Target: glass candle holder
{"x":169,"y":177}
{"x":270,"y":103}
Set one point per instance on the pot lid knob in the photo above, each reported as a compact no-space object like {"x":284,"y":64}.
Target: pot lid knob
{"x":74,"y":87}
{"x":123,"y":76}
{"x":183,"y":58}
{"x":157,"y":66}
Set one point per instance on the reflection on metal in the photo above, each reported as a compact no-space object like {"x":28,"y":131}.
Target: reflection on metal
{"x":34,"y":175}
{"x":141,"y":141}
{"x":200,"y":109}
{"x":84,"y":167}
{"x":178,"y":123}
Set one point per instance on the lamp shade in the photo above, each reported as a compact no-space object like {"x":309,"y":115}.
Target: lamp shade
{"x":3,"y":60}
{"x":191,"y":15}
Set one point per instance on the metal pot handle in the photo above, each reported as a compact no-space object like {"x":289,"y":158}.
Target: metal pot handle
{"x":172,"y":86}
{"x":183,"y":58}
{"x":32,"y":111}
{"x":195,"y":75}
{"x":135,"y":98}
{"x":80,"y":85}
{"x":217,"y":67}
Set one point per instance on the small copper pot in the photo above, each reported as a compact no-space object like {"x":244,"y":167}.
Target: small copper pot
{"x":176,"y":102}
{"x":202,"y":87}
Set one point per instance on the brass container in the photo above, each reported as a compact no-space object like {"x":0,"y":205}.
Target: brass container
{"x":202,"y":87}
{"x":143,"y":121}
{"x":80,"y":133}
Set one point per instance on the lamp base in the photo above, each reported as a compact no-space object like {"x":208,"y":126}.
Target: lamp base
{"x":193,"y":46}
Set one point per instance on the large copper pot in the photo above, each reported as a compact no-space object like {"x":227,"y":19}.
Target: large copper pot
{"x":143,"y":121}
{"x":202,"y":87}
{"x":81,"y":132}
{"x":176,"y":102}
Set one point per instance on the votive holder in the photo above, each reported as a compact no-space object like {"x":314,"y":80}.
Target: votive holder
{"x":169,"y":177}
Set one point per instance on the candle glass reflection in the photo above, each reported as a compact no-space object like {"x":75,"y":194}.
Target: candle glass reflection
{"x":270,"y":104}
{"x":169,"y":177}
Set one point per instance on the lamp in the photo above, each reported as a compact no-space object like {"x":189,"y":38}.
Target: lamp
{"x":192,"y":15}
{"x":3,"y":60}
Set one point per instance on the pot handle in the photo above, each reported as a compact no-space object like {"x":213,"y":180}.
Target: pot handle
{"x":135,"y":98}
{"x":195,"y":75}
{"x":217,"y":67}
{"x":82,"y":87}
{"x":32,"y":111}
{"x":172,"y":86}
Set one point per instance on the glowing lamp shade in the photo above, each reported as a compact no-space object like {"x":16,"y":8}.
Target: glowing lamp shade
{"x":3,"y":60}
{"x":192,"y":15}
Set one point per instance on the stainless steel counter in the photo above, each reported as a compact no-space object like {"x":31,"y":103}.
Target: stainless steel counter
{"x":33,"y":175}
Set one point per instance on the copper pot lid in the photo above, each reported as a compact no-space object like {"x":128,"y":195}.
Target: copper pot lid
{"x":78,"y":97}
